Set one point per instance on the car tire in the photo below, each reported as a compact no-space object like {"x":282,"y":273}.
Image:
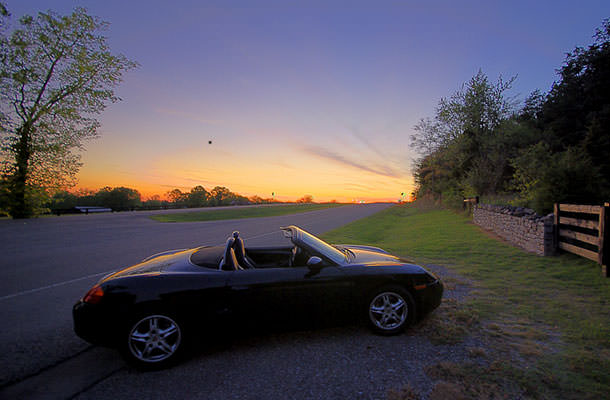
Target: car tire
{"x":389,"y":310}
{"x":153,"y":340}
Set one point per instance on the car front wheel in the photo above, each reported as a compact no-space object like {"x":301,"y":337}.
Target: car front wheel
{"x":390,"y":310}
{"x":153,"y":341}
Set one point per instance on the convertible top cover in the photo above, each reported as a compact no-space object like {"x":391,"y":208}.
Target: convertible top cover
{"x":208,"y":257}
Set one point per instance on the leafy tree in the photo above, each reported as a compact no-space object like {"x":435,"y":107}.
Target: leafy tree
{"x":239,"y":200}
{"x":63,"y":200}
{"x":257,"y":200}
{"x":463,"y":148}
{"x":544,"y":178}
{"x":571,"y":162}
{"x":177,"y":198}
{"x":118,"y":198}
{"x":155,"y":202}
{"x":4,"y":14}
{"x":477,"y":109}
{"x":57,"y":73}
{"x":198,"y":197}
{"x":306,"y":199}
{"x":221,"y":196}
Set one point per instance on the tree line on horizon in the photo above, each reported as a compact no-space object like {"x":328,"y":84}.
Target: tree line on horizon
{"x":124,"y":198}
{"x":553,"y":147}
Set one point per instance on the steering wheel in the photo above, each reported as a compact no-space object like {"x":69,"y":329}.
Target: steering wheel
{"x":293,"y":255}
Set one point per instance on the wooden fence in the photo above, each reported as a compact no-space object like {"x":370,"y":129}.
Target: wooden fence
{"x":583,"y":230}
{"x":470,"y":202}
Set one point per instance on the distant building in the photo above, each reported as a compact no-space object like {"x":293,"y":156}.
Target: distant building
{"x":92,"y":209}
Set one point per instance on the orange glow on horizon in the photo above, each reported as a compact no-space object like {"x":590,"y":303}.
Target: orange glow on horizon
{"x":288,"y":187}
{"x":263,"y":163}
{"x":148,"y":191}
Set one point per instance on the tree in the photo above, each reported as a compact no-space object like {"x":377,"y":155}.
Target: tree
{"x":57,"y":74}
{"x":306,"y":199}
{"x":462,"y":147}
{"x":4,"y":14}
{"x":220,"y":196}
{"x":155,"y":202}
{"x":569,"y":161}
{"x":256,"y":199}
{"x":198,"y":197}
{"x":478,"y":108}
{"x":177,"y":197}
{"x":118,"y":198}
{"x":543,"y":178}
{"x":63,"y":200}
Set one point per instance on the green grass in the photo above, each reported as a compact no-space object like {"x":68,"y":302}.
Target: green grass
{"x":241,"y":212}
{"x":554,"y":311}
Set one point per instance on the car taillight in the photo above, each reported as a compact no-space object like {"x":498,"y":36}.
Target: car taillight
{"x":94,"y":295}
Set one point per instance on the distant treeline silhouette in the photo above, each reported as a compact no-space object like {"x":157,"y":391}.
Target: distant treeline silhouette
{"x":124,"y":198}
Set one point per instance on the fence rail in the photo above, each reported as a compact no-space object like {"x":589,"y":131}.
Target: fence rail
{"x":470,"y":202}
{"x":584,"y":231}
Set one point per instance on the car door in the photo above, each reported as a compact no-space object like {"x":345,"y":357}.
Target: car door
{"x":262,"y":295}
{"x":323,"y":293}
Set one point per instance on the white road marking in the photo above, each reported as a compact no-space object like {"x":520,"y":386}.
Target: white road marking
{"x":10,"y":296}
{"x":54,"y":285}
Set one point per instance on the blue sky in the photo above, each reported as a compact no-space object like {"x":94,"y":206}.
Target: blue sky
{"x":309,"y":97}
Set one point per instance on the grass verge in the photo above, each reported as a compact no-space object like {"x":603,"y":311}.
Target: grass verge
{"x":241,"y":212}
{"x":546,"y":319}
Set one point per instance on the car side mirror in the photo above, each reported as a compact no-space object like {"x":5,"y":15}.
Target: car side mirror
{"x":314,"y":261}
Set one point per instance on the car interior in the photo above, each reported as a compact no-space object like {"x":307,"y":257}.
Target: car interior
{"x":234,"y":256}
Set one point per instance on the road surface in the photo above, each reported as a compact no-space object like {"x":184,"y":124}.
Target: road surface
{"x":48,"y":263}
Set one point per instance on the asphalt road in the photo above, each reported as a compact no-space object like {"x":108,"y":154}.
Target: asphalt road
{"x":48,"y":263}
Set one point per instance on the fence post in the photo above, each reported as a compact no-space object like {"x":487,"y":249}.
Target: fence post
{"x":556,"y":227}
{"x":604,"y":239}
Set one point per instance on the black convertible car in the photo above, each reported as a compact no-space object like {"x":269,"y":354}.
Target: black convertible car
{"x":151,"y":311}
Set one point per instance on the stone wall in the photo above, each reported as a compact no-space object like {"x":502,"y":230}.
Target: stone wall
{"x":519,"y":226}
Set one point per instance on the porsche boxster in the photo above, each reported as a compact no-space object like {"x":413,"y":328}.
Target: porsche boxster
{"x":151,"y":311}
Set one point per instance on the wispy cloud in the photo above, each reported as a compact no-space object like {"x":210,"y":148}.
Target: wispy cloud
{"x":360,"y":187}
{"x":340,"y":159}
{"x":370,"y":145}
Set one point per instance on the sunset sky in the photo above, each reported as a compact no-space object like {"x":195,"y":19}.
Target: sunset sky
{"x":311,"y":97}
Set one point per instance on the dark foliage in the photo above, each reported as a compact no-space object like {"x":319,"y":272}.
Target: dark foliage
{"x":556,"y":148}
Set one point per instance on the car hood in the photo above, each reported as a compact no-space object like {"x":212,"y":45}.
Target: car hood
{"x":157,"y":264}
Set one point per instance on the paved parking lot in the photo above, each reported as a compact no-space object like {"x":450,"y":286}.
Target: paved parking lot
{"x":48,"y":263}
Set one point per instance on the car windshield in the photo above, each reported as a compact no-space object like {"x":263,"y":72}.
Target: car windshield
{"x":323,"y":248}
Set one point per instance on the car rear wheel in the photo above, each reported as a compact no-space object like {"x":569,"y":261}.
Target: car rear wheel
{"x":390,"y":310}
{"x":153,"y":341}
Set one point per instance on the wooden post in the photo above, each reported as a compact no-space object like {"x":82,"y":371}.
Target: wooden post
{"x":604,"y":239}
{"x":556,"y":227}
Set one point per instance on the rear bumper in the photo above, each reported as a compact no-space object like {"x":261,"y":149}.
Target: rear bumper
{"x":94,"y":324}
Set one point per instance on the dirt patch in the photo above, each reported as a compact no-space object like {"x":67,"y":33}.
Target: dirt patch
{"x":493,"y":348}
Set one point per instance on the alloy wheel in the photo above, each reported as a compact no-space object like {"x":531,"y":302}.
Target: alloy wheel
{"x":388,"y":311}
{"x":154,"y":338}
